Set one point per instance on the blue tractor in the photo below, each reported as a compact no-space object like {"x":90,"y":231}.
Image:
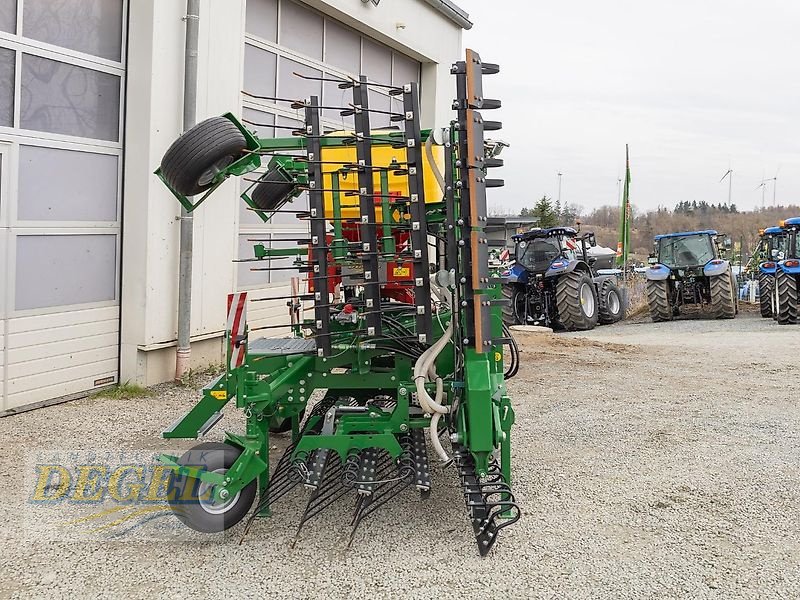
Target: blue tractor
{"x":772,"y":248}
{"x":553,"y":283}
{"x":787,"y":277}
{"x":688,"y":268}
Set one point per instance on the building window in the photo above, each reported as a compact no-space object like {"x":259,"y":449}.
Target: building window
{"x":89,"y":26}
{"x":67,"y":99}
{"x":61,"y":270}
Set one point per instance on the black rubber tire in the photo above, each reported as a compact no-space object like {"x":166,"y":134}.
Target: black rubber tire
{"x":274,"y":191}
{"x":658,"y":300}
{"x":215,"y":141}
{"x":723,"y":296}
{"x":606,"y":312}
{"x":572,"y":314}
{"x":511,"y":293}
{"x":786,"y":298}
{"x":183,"y":497}
{"x":765,"y":283}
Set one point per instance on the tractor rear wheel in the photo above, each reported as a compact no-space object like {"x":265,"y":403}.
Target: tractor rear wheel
{"x":765,"y":282}
{"x":194,"y":159}
{"x":191,"y":499}
{"x":576,"y":301}
{"x":515,"y":296}
{"x":658,"y":301}
{"x":611,"y":308}
{"x":723,"y":296}
{"x":786,"y":298}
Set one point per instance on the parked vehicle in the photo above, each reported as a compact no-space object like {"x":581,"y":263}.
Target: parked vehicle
{"x":688,"y":268}
{"x":553,"y":282}
{"x":787,"y":276}
{"x":772,"y":248}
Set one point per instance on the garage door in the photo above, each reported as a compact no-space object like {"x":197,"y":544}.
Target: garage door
{"x":61,"y":97}
{"x":286,"y":37}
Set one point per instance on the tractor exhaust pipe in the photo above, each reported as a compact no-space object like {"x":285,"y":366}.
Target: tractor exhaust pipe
{"x":184,"y":351}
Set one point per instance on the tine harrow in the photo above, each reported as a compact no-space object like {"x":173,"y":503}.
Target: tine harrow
{"x":402,"y":333}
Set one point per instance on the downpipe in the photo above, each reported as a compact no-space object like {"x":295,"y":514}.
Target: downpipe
{"x":183,"y":352}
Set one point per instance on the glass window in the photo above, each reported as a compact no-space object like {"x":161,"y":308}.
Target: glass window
{"x":377,"y":63}
{"x":262,"y":19}
{"x":246,"y":277}
{"x":90,"y":26}
{"x":259,"y":71}
{"x":379,"y":101}
{"x":296,"y":88}
{"x":301,"y":29}
{"x":61,"y":98}
{"x":685,"y":250}
{"x":64,"y":194}
{"x":333,"y":95}
{"x":404,"y":69}
{"x":538,"y":253}
{"x":7,"y":70}
{"x":59,"y":270}
{"x":257,"y":116}
{"x":8,"y":16}
{"x":342,"y":47}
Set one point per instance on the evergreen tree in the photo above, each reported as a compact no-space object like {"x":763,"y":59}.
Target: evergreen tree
{"x":544,"y":212}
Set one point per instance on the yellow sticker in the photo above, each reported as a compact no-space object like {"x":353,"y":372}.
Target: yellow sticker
{"x":498,"y":357}
{"x":401,"y":271}
{"x":219,"y":394}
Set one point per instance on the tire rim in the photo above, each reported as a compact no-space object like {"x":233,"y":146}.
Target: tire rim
{"x":587,"y":299}
{"x":205,"y":497}
{"x":208,"y":175}
{"x":613,"y":302}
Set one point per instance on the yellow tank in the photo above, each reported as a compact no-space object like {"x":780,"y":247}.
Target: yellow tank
{"x":381,"y":156}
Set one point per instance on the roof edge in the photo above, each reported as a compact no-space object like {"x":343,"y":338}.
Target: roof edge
{"x":453,"y":12}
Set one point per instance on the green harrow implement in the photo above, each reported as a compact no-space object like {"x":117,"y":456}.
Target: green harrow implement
{"x":406,"y":336}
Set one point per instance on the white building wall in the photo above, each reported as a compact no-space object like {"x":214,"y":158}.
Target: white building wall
{"x":154,"y":115}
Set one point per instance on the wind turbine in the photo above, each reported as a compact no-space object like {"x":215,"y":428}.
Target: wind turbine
{"x":729,"y":175}
{"x":762,"y":186}
{"x":774,"y":181}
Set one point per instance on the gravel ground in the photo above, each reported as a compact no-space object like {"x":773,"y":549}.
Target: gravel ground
{"x":665,"y":465}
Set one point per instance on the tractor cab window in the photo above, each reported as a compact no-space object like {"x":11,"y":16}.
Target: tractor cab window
{"x":779,"y":247}
{"x":538,"y":253}
{"x":685,"y":251}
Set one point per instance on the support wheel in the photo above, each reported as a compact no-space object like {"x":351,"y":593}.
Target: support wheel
{"x":658,"y":301}
{"x":723,"y":296}
{"x":191,"y":499}
{"x":514,"y":310}
{"x":194,"y":159}
{"x":576,"y":301}
{"x":786,"y":298}
{"x":611,"y":308}
{"x":275,"y":189}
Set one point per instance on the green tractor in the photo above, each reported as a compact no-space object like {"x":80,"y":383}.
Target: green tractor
{"x":403,"y":354}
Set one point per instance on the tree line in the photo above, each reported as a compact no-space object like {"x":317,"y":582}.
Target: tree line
{"x":741,"y":226}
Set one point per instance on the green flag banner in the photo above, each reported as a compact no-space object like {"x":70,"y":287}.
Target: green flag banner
{"x":624,"y":243}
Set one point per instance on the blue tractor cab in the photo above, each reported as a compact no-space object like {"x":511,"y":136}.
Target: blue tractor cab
{"x":786,"y":304}
{"x":688,"y":267}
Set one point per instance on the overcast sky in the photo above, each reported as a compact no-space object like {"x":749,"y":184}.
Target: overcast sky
{"x":692,"y":85}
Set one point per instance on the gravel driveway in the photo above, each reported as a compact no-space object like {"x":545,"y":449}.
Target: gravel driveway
{"x":650,"y":460}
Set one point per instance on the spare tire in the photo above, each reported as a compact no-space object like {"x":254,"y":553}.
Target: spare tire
{"x":199,"y":155}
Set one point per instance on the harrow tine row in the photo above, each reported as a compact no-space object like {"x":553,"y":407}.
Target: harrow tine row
{"x":489,"y":501}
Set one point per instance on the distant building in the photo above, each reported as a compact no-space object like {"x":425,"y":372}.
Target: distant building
{"x":502,"y":228}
